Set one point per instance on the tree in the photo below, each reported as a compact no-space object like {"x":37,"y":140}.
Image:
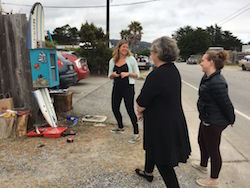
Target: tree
{"x":191,"y":41}
{"x":58,"y":35}
{"x":91,"y":35}
{"x":197,"y":41}
{"x":125,"y":34}
{"x":66,"y":35}
{"x":215,"y":35}
{"x":133,"y":34}
{"x":231,"y":42}
{"x":182,"y":32}
{"x":94,"y":48}
{"x":223,"y":39}
{"x":73,"y":35}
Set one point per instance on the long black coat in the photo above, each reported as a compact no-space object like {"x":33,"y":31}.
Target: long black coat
{"x":165,"y":129}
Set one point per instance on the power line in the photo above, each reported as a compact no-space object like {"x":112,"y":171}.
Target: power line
{"x":82,"y":7}
{"x":135,"y":3}
{"x":234,"y":14}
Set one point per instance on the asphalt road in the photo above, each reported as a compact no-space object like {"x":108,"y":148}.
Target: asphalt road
{"x":239,"y":91}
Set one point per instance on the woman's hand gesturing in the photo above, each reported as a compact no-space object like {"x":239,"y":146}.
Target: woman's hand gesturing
{"x":124,"y":74}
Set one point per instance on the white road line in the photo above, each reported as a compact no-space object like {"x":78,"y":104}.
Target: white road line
{"x":242,"y":114}
{"x":195,"y":88}
{"x":237,"y":111}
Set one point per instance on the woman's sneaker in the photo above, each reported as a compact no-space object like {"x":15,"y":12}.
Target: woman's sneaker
{"x":207,"y":182}
{"x":117,"y":130}
{"x":202,"y":169}
{"x":135,"y":138}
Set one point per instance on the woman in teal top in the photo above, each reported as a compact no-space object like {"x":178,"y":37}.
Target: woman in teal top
{"x":123,"y":69}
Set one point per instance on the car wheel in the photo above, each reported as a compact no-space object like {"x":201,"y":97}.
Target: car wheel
{"x":243,"y":67}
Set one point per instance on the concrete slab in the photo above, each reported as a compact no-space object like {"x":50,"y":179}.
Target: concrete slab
{"x":235,"y":175}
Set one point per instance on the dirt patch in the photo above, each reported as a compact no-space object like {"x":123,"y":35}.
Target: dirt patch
{"x":96,"y":158}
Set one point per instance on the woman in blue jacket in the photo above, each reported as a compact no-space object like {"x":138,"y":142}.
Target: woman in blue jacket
{"x":123,"y":69}
{"x":216,"y":112}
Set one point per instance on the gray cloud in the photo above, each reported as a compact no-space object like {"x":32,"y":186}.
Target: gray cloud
{"x":157,"y":18}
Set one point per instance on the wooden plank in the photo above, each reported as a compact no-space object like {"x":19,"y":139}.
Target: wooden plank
{"x":15,"y":71}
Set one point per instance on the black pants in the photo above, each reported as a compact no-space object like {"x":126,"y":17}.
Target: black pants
{"x":209,"y":141}
{"x":127,"y":93}
{"x":167,"y":172}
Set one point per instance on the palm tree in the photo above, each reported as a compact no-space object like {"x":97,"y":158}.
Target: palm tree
{"x":125,"y":34}
{"x":135,"y":34}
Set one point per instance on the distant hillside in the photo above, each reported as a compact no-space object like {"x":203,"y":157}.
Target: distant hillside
{"x":141,"y":46}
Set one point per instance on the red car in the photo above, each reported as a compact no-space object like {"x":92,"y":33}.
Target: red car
{"x":80,"y":64}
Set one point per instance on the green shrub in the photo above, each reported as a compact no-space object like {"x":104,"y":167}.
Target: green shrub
{"x":98,"y":58}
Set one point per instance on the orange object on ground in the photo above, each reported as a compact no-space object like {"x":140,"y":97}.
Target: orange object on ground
{"x":48,"y":132}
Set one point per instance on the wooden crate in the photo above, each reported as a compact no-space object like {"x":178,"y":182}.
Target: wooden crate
{"x":63,"y":102}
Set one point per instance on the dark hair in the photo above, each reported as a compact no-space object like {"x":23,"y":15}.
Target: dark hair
{"x":219,"y":58}
{"x":166,"y":47}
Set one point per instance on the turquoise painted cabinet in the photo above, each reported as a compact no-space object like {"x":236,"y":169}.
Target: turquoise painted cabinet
{"x":44,"y":68}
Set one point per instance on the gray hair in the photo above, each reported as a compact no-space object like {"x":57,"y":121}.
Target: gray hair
{"x":167,"y":49}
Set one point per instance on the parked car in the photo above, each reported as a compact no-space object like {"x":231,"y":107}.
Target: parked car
{"x":180,"y":60}
{"x":67,"y":73}
{"x":245,"y":63}
{"x":80,"y":64}
{"x":143,"y":62}
{"x":192,"y":60}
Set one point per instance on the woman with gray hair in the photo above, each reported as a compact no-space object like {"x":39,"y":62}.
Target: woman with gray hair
{"x":165,"y":133}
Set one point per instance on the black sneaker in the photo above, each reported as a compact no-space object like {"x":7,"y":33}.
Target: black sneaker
{"x":117,"y":130}
{"x":142,"y":173}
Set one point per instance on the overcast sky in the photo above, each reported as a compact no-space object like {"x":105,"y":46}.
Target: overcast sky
{"x":157,"y":18}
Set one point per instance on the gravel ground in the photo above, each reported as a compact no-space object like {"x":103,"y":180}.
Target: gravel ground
{"x":96,"y":158}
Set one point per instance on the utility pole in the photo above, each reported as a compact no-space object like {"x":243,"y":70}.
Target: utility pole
{"x":107,"y":21}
